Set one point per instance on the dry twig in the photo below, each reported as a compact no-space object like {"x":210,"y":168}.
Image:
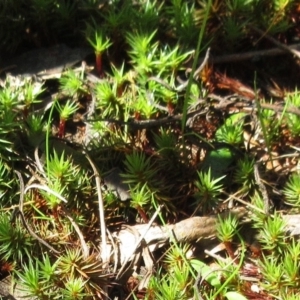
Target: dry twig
{"x":278,"y":44}
{"x":238,"y":57}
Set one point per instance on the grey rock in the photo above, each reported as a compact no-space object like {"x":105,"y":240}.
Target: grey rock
{"x":115,"y":183}
{"x":46,"y":60}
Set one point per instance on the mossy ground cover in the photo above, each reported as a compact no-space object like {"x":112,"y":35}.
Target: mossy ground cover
{"x":174,"y":109}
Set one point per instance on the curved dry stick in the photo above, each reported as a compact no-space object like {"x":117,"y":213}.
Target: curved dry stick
{"x":104,"y":254}
{"x":47,"y":189}
{"x":85,"y":248}
{"x":21,"y":214}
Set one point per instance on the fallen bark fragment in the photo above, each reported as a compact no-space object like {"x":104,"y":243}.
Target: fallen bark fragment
{"x":188,"y":230}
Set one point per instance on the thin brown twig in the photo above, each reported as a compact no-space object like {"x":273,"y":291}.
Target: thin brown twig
{"x":152,"y":122}
{"x":201,"y":111}
{"x":237,"y":57}
{"x":293,"y":110}
{"x":277,"y":43}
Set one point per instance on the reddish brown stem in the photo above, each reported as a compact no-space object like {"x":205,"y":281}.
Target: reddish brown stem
{"x":137,"y":115}
{"x":61,"y":128}
{"x":142,"y":214}
{"x":120,"y":90}
{"x":25,"y":112}
{"x":99,"y":64}
{"x":170,"y":107}
{"x":228,"y":246}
